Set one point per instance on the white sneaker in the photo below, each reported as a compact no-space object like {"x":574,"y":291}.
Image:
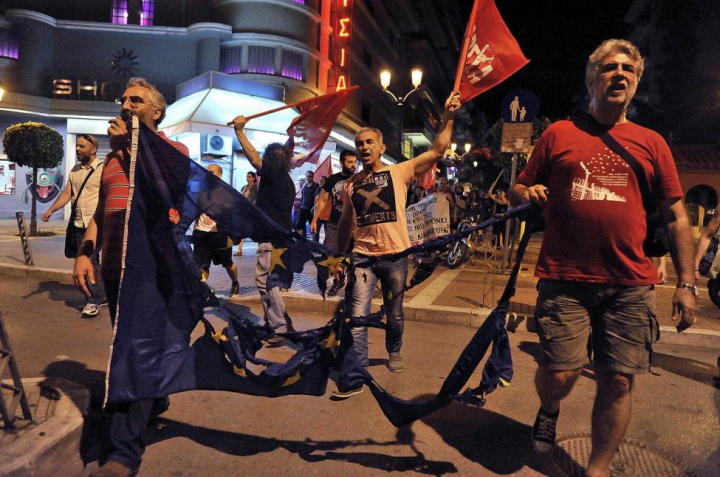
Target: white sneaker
{"x":91,"y":310}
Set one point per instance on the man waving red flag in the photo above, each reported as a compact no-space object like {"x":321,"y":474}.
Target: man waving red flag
{"x":490,"y":53}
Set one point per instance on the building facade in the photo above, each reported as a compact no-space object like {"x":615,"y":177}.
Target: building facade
{"x":64,"y":63}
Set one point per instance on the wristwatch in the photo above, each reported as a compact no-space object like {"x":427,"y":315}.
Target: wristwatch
{"x":687,"y":286}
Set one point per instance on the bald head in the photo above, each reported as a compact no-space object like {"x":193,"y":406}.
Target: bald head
{"x":215,"y":170}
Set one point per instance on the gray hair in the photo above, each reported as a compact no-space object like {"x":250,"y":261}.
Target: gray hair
{"x":377,"y":132}
{"x":157,"y":100}
{"x":612,"y":46}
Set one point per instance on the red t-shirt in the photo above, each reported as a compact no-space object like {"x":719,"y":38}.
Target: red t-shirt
{"x":594,"y":217}
{"x":114,"y":190}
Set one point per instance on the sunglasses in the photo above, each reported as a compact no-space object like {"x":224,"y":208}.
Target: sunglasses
{"x":132,"y":99}
{"x":89,"y":139}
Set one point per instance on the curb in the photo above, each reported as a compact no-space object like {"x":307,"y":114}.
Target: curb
{"x":518,"y":317}
{"x":472,"y":317}
{"x":54,"y":443}
{"x":32,"y":271}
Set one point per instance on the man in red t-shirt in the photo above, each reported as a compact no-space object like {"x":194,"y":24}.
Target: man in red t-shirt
{"x":129,"y":419}
{"x":594,"y":275}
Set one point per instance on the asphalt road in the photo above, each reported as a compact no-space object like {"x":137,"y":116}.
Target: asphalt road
{"x":676,"y":408}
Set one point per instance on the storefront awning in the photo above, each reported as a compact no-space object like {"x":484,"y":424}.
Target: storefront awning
{"x":208,"y":111}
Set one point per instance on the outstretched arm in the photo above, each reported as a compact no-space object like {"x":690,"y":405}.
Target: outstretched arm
{"x":62,"y":199}
{"x":424,"y":161}
{"x":250,"y":152}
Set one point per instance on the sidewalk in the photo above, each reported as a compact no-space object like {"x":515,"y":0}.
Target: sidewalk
{"x":464,"y":296}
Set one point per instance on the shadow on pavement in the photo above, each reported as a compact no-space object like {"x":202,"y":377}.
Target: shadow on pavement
{"x":58,"y":291}
{"x":94,"y":443}
{"x":238,"y":444}
{"x":498,"y":443}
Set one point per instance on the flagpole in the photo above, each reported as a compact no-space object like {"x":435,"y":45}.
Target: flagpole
{"x":463,"y":52}
{"x":253,"y":116}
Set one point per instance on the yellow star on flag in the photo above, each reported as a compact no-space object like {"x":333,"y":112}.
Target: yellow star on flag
{"x":330,"y":261}
{"x":275,"y":258}
{"x":292,"y":379}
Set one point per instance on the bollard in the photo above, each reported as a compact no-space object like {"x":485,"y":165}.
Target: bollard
{"x":24,"y":239}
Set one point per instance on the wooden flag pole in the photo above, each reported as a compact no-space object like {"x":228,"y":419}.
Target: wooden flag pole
{"x":463,"y":52}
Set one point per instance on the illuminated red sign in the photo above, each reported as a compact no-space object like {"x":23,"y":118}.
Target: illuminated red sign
{"x":342,"y":33}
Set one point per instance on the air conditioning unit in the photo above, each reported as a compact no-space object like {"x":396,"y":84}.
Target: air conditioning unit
{"x":217,"y":145}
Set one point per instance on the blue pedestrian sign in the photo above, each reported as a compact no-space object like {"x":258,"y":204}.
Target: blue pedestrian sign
{"x":520,"y":106}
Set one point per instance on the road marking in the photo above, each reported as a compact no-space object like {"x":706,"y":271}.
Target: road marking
{"x":434,"y":289}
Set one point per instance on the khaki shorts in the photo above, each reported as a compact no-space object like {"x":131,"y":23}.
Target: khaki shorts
{"x":617,"y":323}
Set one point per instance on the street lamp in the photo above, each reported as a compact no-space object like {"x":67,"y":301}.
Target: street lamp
{"x":416,"y":77}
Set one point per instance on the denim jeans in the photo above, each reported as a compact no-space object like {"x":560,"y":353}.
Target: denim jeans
{"x":272,"y":301}
{"x":392,"y":275}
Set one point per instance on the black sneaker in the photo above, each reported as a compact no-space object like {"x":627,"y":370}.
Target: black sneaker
{"x":543,"y":433}
{"x":341,"y":395}
{"x":234,"y":290}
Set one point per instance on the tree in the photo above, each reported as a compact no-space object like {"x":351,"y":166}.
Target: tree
{"x":34,"y":145}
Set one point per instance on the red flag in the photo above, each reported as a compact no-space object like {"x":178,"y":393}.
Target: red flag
{"x":490,"y":53}
{"x":309,"y":131}
{"x":323,"y":170}
{"x":427,"y":180}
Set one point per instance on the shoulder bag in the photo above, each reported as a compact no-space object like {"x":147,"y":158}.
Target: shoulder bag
{"x":71,"y":246}
{"x":657,"y":243}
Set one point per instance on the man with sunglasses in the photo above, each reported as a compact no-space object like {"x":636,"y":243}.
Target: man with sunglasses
{"x":83,"y":187}
{"x":129,"y":419}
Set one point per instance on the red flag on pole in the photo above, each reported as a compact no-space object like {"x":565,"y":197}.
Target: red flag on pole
{"x":323,"y":170}
{"x":427,"y":180}
{"x":490,"y":53}
{"x":309,"y":131}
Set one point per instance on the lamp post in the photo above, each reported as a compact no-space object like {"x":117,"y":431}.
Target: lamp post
{"x":385,"y":77}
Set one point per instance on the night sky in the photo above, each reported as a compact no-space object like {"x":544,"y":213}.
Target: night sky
{"x":556,"y":36}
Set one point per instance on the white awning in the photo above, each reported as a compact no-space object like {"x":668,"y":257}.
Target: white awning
{"x":208,"y":112}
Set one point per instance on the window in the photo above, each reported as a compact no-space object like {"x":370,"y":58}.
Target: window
{"x":292,"y":65}
{"x":230,"y":59}
{"x":120,"y":12}
{"x":261,"y":59}
{"x":8,"y":44}
{"x":147,"y":12}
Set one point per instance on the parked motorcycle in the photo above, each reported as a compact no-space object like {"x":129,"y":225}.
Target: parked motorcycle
{"x":461,"y":251}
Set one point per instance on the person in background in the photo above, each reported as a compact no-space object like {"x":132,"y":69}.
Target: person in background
{"x":307,"y":202}
{"x":322,"y":215}
{"x":249,"y":190}
{"x":85,"y":200}
{"x":460,"y":210}
{"x":209,"y":245}
{"x":499,"y":210}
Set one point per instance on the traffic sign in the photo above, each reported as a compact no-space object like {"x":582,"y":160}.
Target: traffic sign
{"x":520,"y":106}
